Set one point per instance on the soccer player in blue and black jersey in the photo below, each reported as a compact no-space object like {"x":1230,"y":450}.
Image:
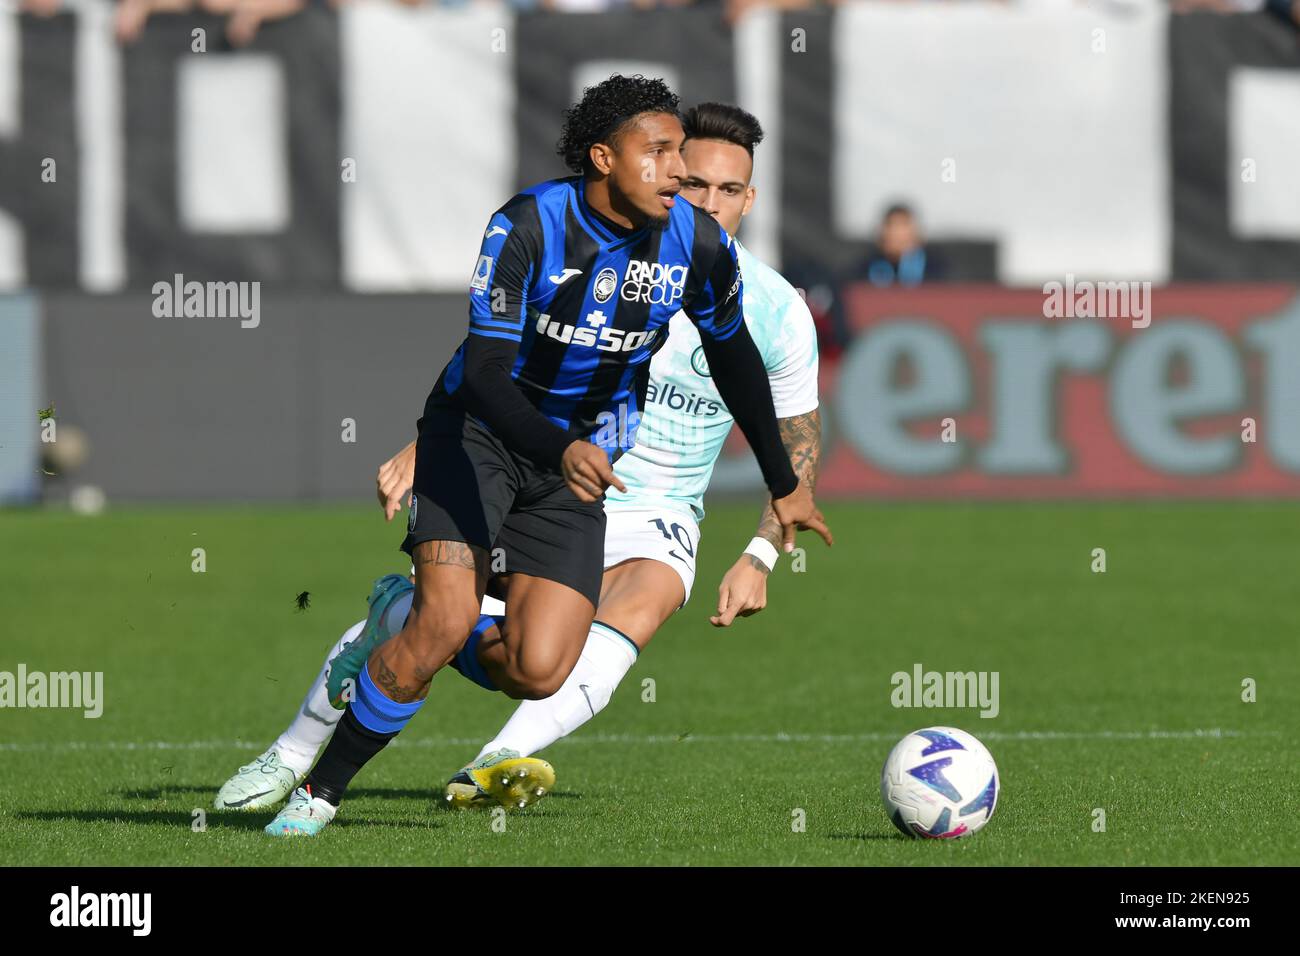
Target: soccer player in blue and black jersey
{"x":575,"y":283}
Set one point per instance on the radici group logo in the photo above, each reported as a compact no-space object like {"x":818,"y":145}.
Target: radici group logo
{"x":653,"y":282}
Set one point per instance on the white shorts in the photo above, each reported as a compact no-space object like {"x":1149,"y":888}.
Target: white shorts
{"x":661,"y":534}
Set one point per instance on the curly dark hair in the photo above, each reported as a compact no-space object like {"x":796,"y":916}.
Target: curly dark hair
{"x":599,"y":117}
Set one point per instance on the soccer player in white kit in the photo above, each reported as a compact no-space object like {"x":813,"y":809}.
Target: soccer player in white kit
{"x":652,"y":530}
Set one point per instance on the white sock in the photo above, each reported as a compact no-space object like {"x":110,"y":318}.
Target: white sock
{"x":536,"y":724}
{"x":316,"y":719}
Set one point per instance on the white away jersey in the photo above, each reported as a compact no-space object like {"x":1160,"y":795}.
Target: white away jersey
{"x":684,"y":422}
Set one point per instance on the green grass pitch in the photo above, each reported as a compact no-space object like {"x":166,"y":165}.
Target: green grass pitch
{"x":1120,"y":691}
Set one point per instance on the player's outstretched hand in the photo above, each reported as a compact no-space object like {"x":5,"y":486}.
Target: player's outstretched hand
{"x":743,"y":592}
{"x":394,"y":481}
{"x":798,"y":512}
{"x":587,"y":471}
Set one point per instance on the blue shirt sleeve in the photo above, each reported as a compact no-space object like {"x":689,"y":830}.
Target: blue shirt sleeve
{"x":716,"y":311}
{"x":498,"y":290}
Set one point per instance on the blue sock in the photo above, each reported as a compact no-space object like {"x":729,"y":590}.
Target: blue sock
{"x":466,"y":660}
{"x":376,"y":711}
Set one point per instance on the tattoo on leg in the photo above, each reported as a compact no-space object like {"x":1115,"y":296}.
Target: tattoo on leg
{"x":396,"y":691}
{"x":455,"y":553}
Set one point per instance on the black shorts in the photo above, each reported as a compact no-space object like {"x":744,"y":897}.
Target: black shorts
{"x":470,"y":488}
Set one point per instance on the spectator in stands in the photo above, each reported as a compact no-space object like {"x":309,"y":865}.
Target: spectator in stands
{"x":899,"y":256}
{"x":735,"y":10}
{"x":244,"y":17}
{"x":131,"y":15}
{"x":1286,"y":10}
{"x":41,"y":8}
{"x":1216,"y":6}
{"x":247,"y":16}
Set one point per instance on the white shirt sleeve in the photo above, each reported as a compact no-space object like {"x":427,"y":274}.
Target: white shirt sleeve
{"x":792,"y":362}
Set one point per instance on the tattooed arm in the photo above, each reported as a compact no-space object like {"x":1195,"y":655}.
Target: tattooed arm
{"x":802,"y":436}
{"x":744,"y":588}
{"x":790,"y":355}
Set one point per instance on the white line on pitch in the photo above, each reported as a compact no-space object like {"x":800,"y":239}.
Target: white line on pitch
{"x":778,"y":738}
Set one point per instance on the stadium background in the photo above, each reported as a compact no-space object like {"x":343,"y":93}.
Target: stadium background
{"x":347,"y":158}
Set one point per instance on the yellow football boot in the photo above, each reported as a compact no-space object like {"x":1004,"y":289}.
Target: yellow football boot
{"x":501,"y":778}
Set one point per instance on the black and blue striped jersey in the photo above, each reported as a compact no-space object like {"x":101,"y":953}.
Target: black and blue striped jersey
{"x":586,"y":304}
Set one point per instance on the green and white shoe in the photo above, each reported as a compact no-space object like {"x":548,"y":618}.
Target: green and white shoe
{"x":500,"y":778}
{"x":345,"y":666}
{"x":303,"y":815}
{"x":263,"y":783}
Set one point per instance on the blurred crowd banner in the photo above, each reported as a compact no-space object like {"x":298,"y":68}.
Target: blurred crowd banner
{"x":953,"y":391}
{"x":333,"y":179}
{"x":974,"y":392}
{"x":363,"y":150}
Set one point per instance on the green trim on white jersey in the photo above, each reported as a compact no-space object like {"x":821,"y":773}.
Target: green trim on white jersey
{"x":685,"y":423}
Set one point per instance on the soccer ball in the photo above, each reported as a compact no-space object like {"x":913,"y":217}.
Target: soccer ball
{"x":940,"y":783}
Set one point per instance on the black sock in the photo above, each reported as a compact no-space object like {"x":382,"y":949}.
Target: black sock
{"x":348,"y":751}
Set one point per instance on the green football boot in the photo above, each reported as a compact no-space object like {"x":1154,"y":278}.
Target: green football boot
{"x":345,"y":666}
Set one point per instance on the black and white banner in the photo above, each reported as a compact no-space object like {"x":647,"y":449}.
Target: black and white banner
{"x":362,"y":149}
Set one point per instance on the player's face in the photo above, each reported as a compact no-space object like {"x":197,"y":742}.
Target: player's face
{"x":717,"y":180}
{"x":647,"y":167}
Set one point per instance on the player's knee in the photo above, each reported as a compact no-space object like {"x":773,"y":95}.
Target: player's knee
{"x":538,"y":689}
{"x":535,"y":683}
{"x":443,"y":626}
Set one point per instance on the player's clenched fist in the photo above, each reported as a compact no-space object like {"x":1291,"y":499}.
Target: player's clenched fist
{"x":587,"y":471}
{"x":798,"y":512}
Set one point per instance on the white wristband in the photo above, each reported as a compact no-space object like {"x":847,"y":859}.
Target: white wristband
{"x":765,"y":551}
